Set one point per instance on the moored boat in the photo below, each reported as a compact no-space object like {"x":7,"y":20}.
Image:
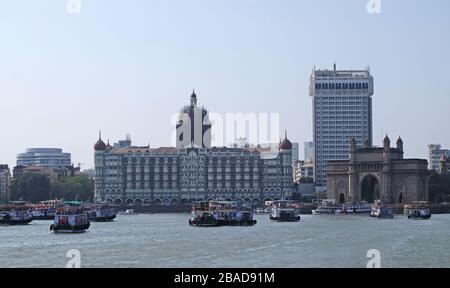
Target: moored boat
{"x":128,"y":212}
{"x":46,"y":210}
{"x":43,"y":213}
{"x":419,"y":214}
{"x":70,"y":220}
{"x":381,"y":211}
{"x":329,"y":207}
{"x":100,"y":213}
{"x":285,"y":211}
{"x":358,"y":208}
{"x":15,"y":215}
{"x":221,"y":213}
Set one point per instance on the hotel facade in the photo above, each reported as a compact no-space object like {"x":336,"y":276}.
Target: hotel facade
{"x":170,"y":176}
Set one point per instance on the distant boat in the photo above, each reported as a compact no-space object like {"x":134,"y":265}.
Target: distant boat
{"x":381,"y":211}
{"x":128,"y":212}
{"x":70,"y":220}
{"x":417,"y":210}
{"x":46,"y":210}
{"x":100,"y":213}
{"x":419,"y":214}
{"x":285,"y":211}
{"x":15,"y":215}
{"x":329,"y":207}
{"x":221,"y":213}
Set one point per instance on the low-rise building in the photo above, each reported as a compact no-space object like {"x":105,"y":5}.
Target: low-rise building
{"x":435,"y":152}
{"x":5,"y":180}
{"x":303,"y":169}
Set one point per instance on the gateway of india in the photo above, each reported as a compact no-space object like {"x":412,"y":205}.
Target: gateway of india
{"x":377,"y":173}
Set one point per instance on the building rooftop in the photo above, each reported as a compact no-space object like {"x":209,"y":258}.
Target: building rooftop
{"x":325,"y":73}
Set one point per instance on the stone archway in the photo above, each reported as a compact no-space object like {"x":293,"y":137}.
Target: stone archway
{"x":341,"y":198}
{"x":370,"y":189}
{"x":341,"y":191}
{"x":400,"y":192}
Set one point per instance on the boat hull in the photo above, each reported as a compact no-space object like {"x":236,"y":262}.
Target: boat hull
{"x":43,"y":217}
{"x":412,"y":217}
{"x":69,"y":229}
{"x":104,"y":219}
{"x":15,"y":222}
{"x":284,"y":219}
{"x":215,"y":223}
{"x":382,"y":217}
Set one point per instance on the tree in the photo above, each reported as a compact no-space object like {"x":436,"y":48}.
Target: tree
{"x":439,"y":188}
{"x":34,"y":187}
{"x":74,"y":188}
{"x":31,"y":187}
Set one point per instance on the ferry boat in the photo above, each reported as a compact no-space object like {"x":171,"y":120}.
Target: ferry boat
{"x":46,"y":210}
{"x":285,"y":211}
{"x":419,"y":214}
{"x":417,"y":210}
{"x":329,"y":207}
{"x":100,"y":213}
{"x":15,"y":215}
{"x":381,"y":211}
{"x":221,"y":213}
{"x":359,"y":208}
{"x":70,"y":220}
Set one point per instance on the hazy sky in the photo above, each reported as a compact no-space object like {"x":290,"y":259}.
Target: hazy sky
{"x":128,"y":66}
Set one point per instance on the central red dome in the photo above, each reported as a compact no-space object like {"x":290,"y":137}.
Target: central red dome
{"x":100,"y":145}
{"x":285,"y":144}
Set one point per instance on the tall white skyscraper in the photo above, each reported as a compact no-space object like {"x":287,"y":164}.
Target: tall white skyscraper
{"x":342,"y":108}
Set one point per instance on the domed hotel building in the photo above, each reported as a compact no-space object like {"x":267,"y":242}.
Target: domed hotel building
{"x":191,"y":171}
